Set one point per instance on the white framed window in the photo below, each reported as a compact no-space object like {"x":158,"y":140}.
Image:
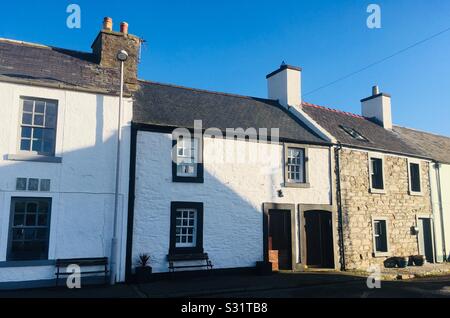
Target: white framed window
{"x":38,"y":126}
{"x":380,"y":236}
{"x":296,"y":165}
{"x":187,"y":157}
{"x":186,"y":228}
{"x":376,"y":173}
{"x":415,"y":183}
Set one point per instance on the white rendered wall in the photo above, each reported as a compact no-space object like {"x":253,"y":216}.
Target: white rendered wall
{"x":233,"y":195}
{"x":441,"y":218}
{"x":82,"y":186}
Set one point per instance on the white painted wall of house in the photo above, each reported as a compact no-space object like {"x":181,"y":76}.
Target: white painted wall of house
{"x":82,"y":186}
{"x":233,"y":195}
{"x":441,"y":220}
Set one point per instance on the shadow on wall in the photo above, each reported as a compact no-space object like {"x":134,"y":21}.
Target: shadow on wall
{"x":82,"y":187}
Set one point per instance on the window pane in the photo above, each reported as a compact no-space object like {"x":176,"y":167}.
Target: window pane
{"x":26,"y":132}
{"x":21,"y":184}
{"x":37,"y":145}
{"x":19,"y":219}
{"x":50,"y":109}
{"x":377,"y":173}
{"x":27,"y":119}
{"x":30,"y":220}
{"x":32,"y":206}
{"x":380,"y":236}
{"x":415,"y":177}
{"x":39,"y":107}
{"x":33,"y":185}
{"x":28,"y":106}
{"x":38,"y":120}
{"x":25,"y":144}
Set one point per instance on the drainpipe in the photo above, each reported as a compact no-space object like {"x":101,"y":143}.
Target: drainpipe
{"x":339,"y":207}
{"x":441,"y":208}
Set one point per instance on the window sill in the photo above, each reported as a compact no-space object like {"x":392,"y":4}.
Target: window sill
{"x":377,"y":191}
{"x":33,"y":158}
{"x":381,"y":254}
{"x":188,"y":179}
{"x":416,"y":194}
{"x":296,"y":185}
{"x":34,"y":263}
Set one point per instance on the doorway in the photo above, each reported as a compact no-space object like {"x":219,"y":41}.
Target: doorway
{"x":279,"y":240}
{"x":319,"y":239}
{"x":425,"y":238}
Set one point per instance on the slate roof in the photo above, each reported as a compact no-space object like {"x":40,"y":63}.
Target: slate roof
{"x":175,"y":106}
{"x":378,"y":137}
{"x":435,"y":146}
{"x":44,"y":65}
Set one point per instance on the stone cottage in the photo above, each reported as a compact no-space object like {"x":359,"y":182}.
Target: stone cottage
{"x":383,"y":185}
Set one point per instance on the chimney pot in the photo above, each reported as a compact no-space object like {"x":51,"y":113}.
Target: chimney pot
{"x":124,"y":28}
{"x":375,"y":90}
{"x":107,"y":24}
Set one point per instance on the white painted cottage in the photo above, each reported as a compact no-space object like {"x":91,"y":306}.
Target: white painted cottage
{"x":59,"y":112}
{"x":232,"y":179}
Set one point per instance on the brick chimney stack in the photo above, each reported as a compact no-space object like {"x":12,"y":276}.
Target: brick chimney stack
{"x":108,"y":43}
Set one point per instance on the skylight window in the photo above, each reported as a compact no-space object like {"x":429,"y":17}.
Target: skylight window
{"x":356,"y":135}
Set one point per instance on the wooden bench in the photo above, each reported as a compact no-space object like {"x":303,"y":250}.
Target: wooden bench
{"x":82,"y":262}
{"x":188,"y":257}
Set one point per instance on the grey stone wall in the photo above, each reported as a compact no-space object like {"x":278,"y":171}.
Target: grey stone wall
{"x":397,"y":205}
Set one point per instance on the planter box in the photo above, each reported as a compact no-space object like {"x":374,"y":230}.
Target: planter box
{"x":144,"y":274}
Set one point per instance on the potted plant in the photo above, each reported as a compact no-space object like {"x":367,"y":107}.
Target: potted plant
{"x":144,"y":271}
{"x":418,"y":260}
{"x":402,"y":262}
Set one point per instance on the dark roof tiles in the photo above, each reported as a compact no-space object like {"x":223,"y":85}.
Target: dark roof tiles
{"x":379,"y":138}
{"x":169,"y":105}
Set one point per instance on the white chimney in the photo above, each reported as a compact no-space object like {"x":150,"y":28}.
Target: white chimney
{"x":378,"y":107}
{"x":285,"y":84}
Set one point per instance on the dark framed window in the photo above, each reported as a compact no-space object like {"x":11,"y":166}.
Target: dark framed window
{"x":414,"y":177}
{"x":38,"y":126}
{"x":296,"y":166}
{"x":376,"y":173}
{"x":187,"y":159}
{"x":29,"y":228}
{"x":186,"y":228}
{"x":380,"y":236}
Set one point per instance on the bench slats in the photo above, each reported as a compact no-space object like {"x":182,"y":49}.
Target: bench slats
{"x":86,"y":262}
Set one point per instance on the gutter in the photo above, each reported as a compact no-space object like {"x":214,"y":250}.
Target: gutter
{"x":339,"y":205}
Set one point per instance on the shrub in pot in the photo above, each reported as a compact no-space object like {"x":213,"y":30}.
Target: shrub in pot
{"x":144,"y":271}
{"x":402,"y":262}
{"x":390,"y":262}
{"x":418,"y":260}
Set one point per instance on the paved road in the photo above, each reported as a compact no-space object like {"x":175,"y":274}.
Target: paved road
{"x":423,"y":288}
{"x":297,"y":285}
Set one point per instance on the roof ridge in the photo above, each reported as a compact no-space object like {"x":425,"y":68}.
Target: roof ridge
{"x":333,"y":110}
{"x":40,"y":46}
{"x":422,"y":131}
{"x":206,"y":91}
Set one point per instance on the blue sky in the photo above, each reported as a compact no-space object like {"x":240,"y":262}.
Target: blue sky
{"x":231,"y":45}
